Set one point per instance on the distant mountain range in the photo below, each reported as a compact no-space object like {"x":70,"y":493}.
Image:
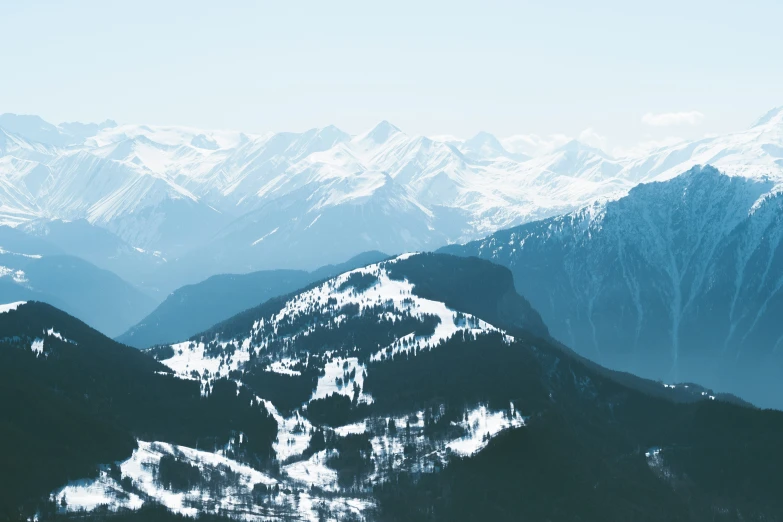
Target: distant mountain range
{"x":212,"y":202}
{"x":679,"y":280}
{"x":419,"y":388}
{"x":32,"y":268}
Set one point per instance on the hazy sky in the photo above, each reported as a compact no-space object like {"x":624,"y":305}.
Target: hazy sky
{"x":616,"y":68}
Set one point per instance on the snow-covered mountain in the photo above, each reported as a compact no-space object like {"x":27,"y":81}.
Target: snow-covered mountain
{"x":678,"y":280}
{"x":221,"y":201}
{"x":361,"y":398}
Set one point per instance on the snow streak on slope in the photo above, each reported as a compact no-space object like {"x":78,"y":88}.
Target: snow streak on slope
{"x":226,"y":487}
{"x":481,"y":425}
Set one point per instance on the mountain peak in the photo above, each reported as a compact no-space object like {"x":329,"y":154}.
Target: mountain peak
{"x":483,"y":137}
{"x":773,"y":117}
{"x":334,"y":133}
{"x":382,"y":132}
{"x":576,"y":146}
{"x":484,"y":145}
{"x":30,"y":127}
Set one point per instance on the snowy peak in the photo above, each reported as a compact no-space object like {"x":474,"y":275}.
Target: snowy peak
{"x":32,"y":128}
{"x":411,"y":296}
{"x":484,"y":146}
{"x":692,"y":264}
{"x":577,"y":147}
{"x":381,"y":133}
{"x":81,"y":131}
{"x":772,"y":118}
{"x":125,"y":178}
{"x":35,"y":129}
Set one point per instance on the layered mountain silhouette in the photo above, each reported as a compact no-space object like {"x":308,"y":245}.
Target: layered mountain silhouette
{"x":423,"y":387}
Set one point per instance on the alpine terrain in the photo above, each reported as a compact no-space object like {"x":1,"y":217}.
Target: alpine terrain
{"x":679,"y":280}
{"x":423,"y":387}
{"x":196,"y":203}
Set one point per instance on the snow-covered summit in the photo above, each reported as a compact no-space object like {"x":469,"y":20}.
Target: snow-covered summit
{"x":278,"y":331}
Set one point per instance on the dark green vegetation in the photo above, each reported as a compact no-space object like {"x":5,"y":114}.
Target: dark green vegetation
{"x":597,"y":445}
{"x":471,"y":286}
{"x":85,"y":400}
{"x":177,"y":475}
{"x":581,"y":456}
{"x":192,"y":308}
{"x":148,"y":513}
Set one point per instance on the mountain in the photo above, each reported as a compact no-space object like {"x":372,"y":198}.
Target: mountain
{"x":423,"y":387}
{"x":679,"y":280}
{"x":427,"y":387}
{"x":211,"y":202}
{"x":31,"y":268}
{"x":189,"y":309}
{"x":100,"y":247}
{"x":754,"y":153}
{"x":72,"y":399}
{"x":486,"y":146}
{"x":221,"y":201}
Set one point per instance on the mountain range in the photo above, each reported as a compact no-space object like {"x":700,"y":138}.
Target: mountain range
{"x":212,"y":202}
{"x":422,"y":387}
{"x":679,"y":280}
{"x":32,"y":268}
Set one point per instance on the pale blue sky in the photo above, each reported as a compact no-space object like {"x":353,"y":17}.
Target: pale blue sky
{"x":432,"y":67}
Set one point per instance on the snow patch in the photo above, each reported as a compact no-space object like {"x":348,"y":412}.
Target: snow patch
{"x":11,"y":306}
{"x":481,"y":425}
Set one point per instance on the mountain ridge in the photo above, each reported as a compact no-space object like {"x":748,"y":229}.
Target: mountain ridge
{"x":145,"y":182}
{"x":675,"y":281}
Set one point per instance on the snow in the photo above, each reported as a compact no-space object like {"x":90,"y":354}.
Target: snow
{"x":37,"y":346}
{"x":31,"y":256}
{"x":257,"y":241}
{"x":337,"y":368}
{"x":140,"y":469}
{"x":18,"y":276}
{"x":232,"y":495}
{"x":356,"y":428}
{"x":11,"y":306}
{"x":293,"y":433}
{"x":86,"y":495}
{"x":283,"y":366}
{"x":51,"y":332}
{"x":482,"y":186}
{"x":482,"y":425}
{"x":313,"y":472}
{"x":191,"y":359}
{"x":386,"y":290}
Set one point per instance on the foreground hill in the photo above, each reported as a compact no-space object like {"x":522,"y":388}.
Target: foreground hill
{"x":413,"y":366}
{"x":679,"y":280}
{"x":72,"y":402}
{"x":421,"y":388}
